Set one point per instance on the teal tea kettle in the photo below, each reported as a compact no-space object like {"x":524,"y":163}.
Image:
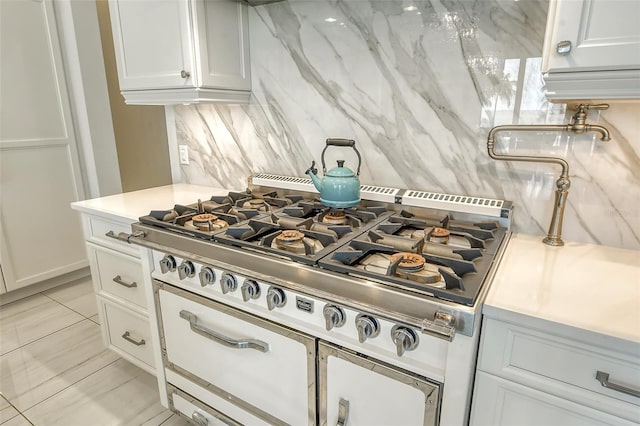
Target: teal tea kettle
{"x":340,"y":187}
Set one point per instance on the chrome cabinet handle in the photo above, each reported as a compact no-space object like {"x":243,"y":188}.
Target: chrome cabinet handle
{"x":118,"y":279}
{"x":343,"y":412}
{"x":603,"y":378}
{"x":199,"y":419}
{"x":185,"y":74}
{"x":563,"y":47}
{"x":126,"y":336}
{"x":223,"y":340}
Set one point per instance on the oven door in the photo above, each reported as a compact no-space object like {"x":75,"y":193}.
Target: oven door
{"x":359,"y":391}
{"x":265,"y":369}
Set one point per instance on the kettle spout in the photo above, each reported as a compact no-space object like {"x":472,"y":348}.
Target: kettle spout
{"x":311,"y":171}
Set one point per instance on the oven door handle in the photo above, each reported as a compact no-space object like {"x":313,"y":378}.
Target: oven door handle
{"x":258,"y":345}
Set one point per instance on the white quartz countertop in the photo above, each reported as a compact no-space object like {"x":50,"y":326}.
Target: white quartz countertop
{"x":590,"y":287}
{"x":132,"y":205}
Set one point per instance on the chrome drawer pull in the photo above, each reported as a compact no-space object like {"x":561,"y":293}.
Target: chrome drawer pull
{"x":126,"y":336}
{"x":603,"y":378}
{"x":343,"y":412}
{"x":224,"y":340}
{"x":199,"y":419}
{"x":118,"y":279}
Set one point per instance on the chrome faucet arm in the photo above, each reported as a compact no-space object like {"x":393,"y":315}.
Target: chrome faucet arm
{"x":491,"y":140}
{"x":576,"y":125}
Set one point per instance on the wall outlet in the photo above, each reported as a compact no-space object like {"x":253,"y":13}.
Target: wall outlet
{"x":184,"y":154}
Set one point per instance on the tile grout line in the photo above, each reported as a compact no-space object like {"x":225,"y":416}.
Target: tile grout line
{"x":70,"y":386}
{"x":20,"y":413}
{"x":46,"y":335}
{"x":71,"y":309}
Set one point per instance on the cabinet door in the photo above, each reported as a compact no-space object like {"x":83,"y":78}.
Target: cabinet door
{"x":223,"y":31}
{"x":40,"y":236}
{"x":355,"y":390}
{"x":603,"y":34}
{"x":153,"y":43}
{"x":501,"y":402}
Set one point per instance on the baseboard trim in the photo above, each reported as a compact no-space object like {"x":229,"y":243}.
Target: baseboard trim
{"x":21,"y":293}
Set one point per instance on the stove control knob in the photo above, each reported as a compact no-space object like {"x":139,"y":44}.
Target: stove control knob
{"x":275,"y":298}
{"x":367,"y":326}
{"x":250,"y":290}
{"x":334,"y":316}
{"x":167,"y":264}
{"x":186,"y":270}
{"x":207,"y":276}
{"x":405,"y":339}
{"x":228,"y":283}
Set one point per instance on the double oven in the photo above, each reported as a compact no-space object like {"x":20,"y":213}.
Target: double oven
{"x":308,"y":332}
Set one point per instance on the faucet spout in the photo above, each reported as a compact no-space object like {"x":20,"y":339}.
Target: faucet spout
{"x":604,"y":132}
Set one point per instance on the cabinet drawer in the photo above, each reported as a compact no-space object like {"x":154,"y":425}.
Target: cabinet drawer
{"x":499,"y":402}
{"x":127,"y":332}
{"x":543,"y":360}
{"x":266,"y":369}
{"x":103,"y":231}
{"x":118,"y":274}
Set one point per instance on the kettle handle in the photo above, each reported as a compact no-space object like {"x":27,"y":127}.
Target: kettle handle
{"x":340,"y":142}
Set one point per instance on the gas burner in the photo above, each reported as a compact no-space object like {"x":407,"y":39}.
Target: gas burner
{"x":257,"y":203}
{"x":208,"y":222}
{"x":437,"y":235}
{"x":289,"y":236}
{"x":293,"y":241}
{"x":335,"y":217}
{"x":408,"y":262}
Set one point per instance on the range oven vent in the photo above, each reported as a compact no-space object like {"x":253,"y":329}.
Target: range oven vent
{"x":458,"y":203}
{"x":405,"y":197}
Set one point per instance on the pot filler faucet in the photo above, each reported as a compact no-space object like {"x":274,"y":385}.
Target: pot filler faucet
{"x":576,"y":125}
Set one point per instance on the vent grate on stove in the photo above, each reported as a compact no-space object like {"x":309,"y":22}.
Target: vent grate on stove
{"x":459,"y":203}
{"x":406,"y":197}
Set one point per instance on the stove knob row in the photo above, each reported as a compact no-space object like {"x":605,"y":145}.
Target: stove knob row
{"x":207,"y":276}
{"x":250,"y":290}
{"x":186,"y":270}
{"x":367,"y":326}
{"x":167,"y":264}
{"x":334,"y":316}
{"x":275,"y":298}
{"x":405,"y":339}
{"x":228,"y":283}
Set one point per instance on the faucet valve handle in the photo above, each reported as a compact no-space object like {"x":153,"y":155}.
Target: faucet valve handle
{"x":584,"y":107}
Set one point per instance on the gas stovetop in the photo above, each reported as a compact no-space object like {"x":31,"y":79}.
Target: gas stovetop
{"x":429,"y":246}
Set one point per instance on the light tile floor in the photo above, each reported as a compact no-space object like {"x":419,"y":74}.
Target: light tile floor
{"x":54,"y":369}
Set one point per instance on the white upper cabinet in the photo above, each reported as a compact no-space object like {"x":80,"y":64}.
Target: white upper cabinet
{"x":592,"y":49}
{"x":181,"y":51}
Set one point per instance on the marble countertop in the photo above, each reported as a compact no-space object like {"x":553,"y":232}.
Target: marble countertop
{"x":590,"y":287}
{"x":132,"y":205}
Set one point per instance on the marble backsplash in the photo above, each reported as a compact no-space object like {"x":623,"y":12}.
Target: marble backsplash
{"x":418,"y":84}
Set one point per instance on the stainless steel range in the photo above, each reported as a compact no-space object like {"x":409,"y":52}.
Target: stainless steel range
{"x":273,"y":309}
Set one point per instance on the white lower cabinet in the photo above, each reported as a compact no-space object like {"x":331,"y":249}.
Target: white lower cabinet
{"x":118,"y":280}
{"x":127,"y":333}
{"x":530,"y":376}
{"x":502,"y":402}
